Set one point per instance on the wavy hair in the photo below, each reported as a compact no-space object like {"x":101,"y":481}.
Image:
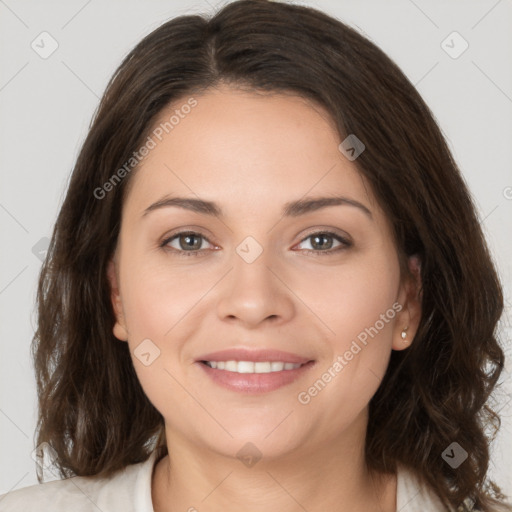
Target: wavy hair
{"x":91,"y":407}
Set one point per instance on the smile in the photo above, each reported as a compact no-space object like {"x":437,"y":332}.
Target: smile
{"x":253,"y":377}
{"x":252,"y":366}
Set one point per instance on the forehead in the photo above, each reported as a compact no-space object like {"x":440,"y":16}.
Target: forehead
{"x":245,"y":150}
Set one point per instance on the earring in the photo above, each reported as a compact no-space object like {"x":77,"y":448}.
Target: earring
{"x":404,"y":334}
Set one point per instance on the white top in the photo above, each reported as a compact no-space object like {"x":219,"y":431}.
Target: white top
{"x":129,"y":490}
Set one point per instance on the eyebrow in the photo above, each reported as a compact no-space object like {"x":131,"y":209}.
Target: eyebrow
{"x":291,"y":209}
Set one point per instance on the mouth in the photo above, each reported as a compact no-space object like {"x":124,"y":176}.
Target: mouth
{"x":252,"y":366}
{"x":246,"y":355}
{"x":253,"y":371}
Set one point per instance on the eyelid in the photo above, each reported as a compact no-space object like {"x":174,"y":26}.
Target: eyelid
{"x":185,"y":231}
{"x":344,"y":238}
{"x":345,"y":243}
{"x":327,"y":230}
{"x":193,"y":230}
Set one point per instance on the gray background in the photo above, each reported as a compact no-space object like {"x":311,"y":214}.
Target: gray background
{"x":46,"y":106}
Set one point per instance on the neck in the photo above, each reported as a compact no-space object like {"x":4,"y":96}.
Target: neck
{"x":316,"y":477}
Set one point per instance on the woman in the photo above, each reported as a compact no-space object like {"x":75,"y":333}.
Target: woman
{"x":267,"y":287}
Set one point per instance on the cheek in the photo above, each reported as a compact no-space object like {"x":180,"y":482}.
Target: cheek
{"x":353,"y":296}
{"x":158,"y":305}
{"x":155,"y":299}
{"x":371,"y":296}
{"x":362,"y":315}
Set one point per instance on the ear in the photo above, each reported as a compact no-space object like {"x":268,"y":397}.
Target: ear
{"x":409,"y":298}
{"x":120,"y":331}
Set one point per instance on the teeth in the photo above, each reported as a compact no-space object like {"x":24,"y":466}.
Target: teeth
{"x":252,"y":367}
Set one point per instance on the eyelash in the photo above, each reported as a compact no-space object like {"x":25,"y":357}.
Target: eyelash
{"x":345,"y":244}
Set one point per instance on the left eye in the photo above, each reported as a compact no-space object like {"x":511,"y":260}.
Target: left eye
{"x":325,"y":248}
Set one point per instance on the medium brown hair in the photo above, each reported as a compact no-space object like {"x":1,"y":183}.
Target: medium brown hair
{"x":92,"y":409}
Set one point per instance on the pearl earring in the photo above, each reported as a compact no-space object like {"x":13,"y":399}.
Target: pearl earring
{"x":404,"y":334}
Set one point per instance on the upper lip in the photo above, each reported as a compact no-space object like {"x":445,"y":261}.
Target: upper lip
{"x":244,"y":354}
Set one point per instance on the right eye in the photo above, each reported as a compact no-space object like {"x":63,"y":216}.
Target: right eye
{"x":188,"y":242}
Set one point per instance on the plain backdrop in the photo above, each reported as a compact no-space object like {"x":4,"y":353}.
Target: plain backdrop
{"x":46,"y":105}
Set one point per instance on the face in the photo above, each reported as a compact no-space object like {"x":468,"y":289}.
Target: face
{"x":320,"y":284}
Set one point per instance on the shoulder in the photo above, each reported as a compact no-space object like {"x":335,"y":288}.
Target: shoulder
{"x":126,"y":491}
{"x":468,"y":506}
{"x":414,"y":495}
{"x":56,"y":495}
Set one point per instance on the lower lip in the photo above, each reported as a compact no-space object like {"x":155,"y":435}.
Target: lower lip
{"x":254,"y":382}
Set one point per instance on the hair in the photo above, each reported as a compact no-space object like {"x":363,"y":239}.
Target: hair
{"x":92,"y":409}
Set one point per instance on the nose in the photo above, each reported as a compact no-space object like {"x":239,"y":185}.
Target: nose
{"x":254,"y":292}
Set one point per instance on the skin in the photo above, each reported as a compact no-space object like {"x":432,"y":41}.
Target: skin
{"x":251,"y":154}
